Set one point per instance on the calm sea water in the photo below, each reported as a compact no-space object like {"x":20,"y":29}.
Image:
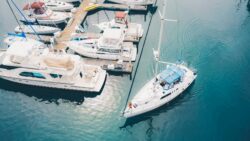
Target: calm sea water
{"x":211,"y":36}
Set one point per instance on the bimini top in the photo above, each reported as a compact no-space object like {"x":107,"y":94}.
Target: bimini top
{"x":172,"y":74}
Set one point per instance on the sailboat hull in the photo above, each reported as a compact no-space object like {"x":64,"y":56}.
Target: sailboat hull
{"x":157,"y":99}
{"x":53,"y":84}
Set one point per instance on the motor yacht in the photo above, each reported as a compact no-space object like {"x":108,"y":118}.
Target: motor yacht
{"x":31,"y":63}
{"x":109,"y":46}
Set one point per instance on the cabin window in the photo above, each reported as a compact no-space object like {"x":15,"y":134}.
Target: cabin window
{"x":55,"y":75}
{"x":32,"y":74}
{"x":165,"y":95}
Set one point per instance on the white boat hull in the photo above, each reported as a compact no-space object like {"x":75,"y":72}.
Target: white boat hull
{"x":57,"y":85}
{"x":157,"y":100}
{"x":56,"y":5}
{"x":55,"y":18}
{"x":93,"y":53}
{"x":38,"y":29}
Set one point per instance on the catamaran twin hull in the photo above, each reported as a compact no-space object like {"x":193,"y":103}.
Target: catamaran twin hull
{"x":57,"y":85}
{"x":159,"y":99}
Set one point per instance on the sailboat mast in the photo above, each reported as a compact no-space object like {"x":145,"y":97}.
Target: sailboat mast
{"x":160,"y":36}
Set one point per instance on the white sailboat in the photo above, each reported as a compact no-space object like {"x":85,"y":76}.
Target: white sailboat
{"x":37,"y":11}
{"x":37,"y":29}
{"x":133,"y":2}
{"x":109,"y":46}
{"x":56,"y":5}
{"x":132,"y":31}
{"x":163,"y":88}
{"x":30,"y":63}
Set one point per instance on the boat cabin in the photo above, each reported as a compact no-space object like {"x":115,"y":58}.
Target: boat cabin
{"x":170,"y":76}
{"x":111,"y":39}
{"x":121,"y":18}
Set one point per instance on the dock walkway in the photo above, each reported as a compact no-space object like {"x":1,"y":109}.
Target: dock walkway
{"x":75,"y":21}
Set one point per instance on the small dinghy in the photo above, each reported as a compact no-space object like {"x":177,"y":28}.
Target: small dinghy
{"x":37,"y":29}
{"x":56,"y":5}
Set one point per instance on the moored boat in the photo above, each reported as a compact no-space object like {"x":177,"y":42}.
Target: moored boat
{"x":38,"y":12}
{"x":37,"y":29}
{"x":109,"y":46}
{"x":56,"y":5}
{"x":31,"y":63}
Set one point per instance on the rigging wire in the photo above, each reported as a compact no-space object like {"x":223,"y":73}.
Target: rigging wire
{"x":178,"y":33}
{"x":12,"y":11}
{"x":25,"y":18}
{"x":136,"y":69}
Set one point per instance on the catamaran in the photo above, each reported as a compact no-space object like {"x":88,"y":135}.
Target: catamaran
{"x":109,"y":46}
{"x":56,"y":5}
{"x":133,"y":31}
{"x":37,"y":29}
{"x":133,"y":2}
{"x":164,"y":87}
{"x":31,"y":63}
{"x":38,"y":12}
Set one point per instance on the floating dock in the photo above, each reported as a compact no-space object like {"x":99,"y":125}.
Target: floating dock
{"x":75,"y":21}
{"x":127,"y":66}
{"x":115,"y":7}
{"x":123,"y":7}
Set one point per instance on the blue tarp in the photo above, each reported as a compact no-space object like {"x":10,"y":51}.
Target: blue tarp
{"x":172,"y":74}
{"x":172,"y":78}
{"x":17,"y":34}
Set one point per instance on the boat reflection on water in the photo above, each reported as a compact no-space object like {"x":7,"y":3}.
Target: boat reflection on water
{"x":50,"y":95}
{"x":181,"y":99}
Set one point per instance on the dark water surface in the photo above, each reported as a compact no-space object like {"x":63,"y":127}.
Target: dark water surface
{"x":211,"y":36}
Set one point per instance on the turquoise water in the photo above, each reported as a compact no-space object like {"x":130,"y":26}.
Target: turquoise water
{"x":211,"y":36}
